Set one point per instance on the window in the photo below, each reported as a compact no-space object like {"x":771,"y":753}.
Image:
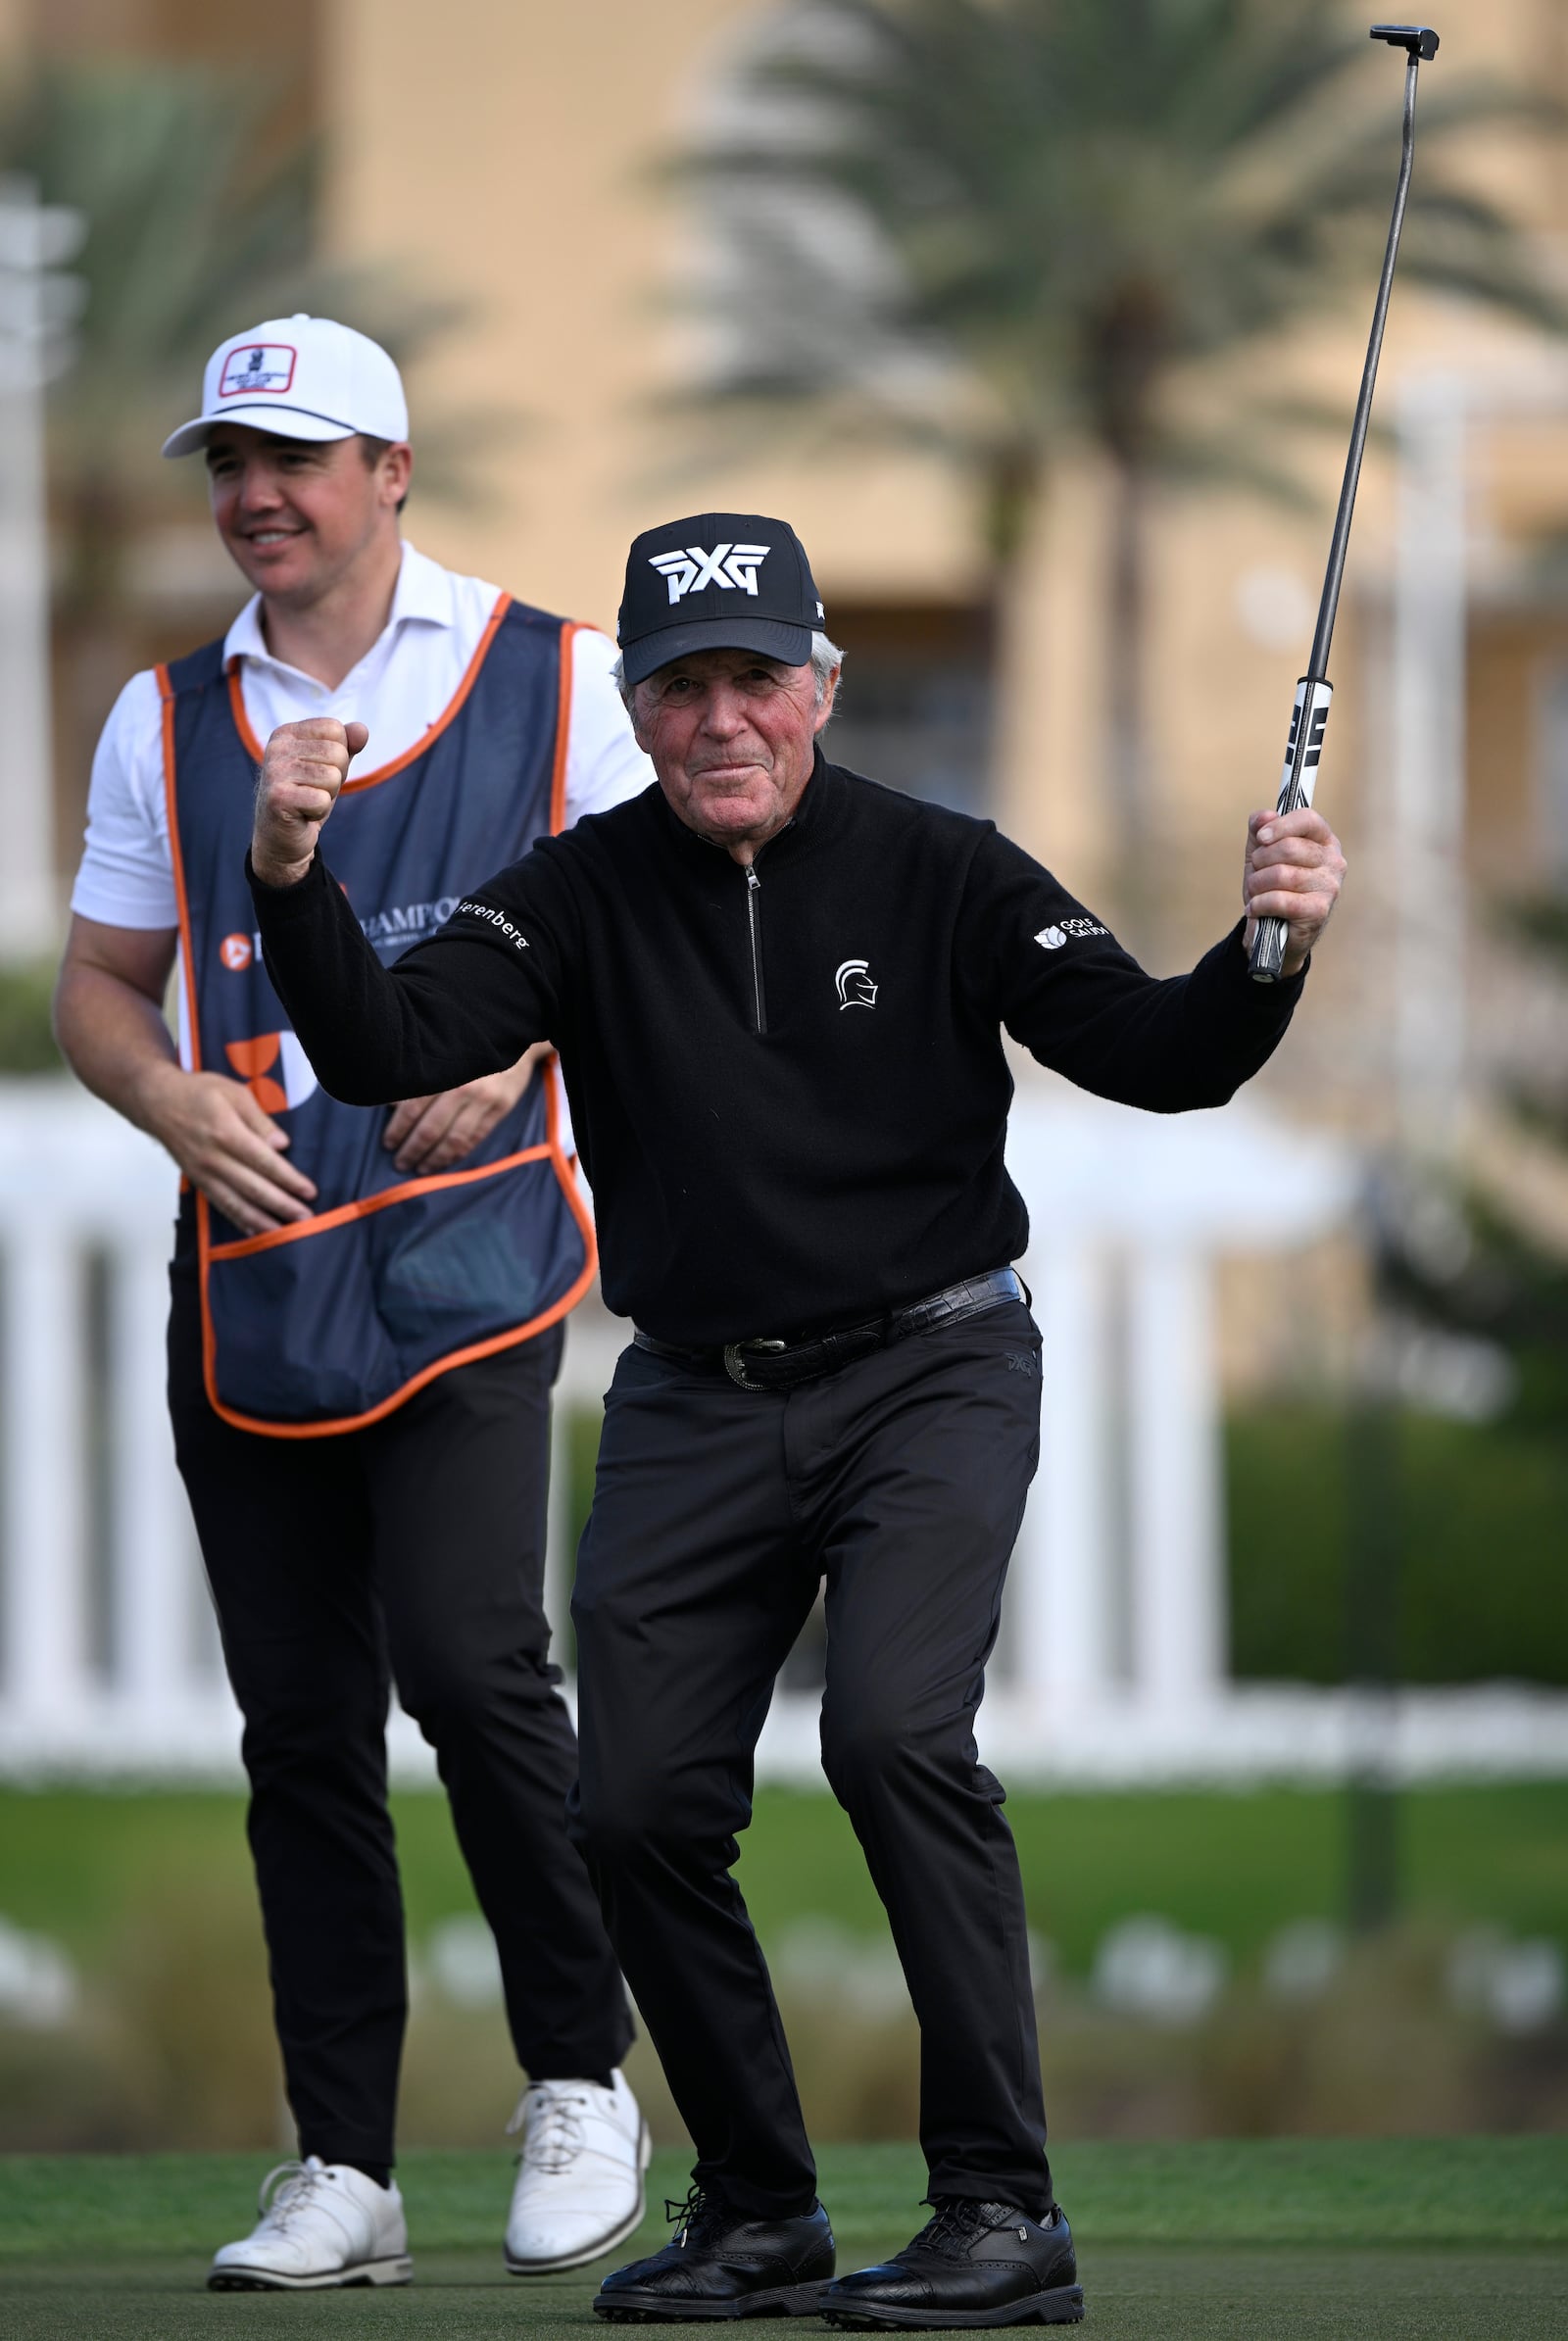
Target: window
{"x":917,"y":700}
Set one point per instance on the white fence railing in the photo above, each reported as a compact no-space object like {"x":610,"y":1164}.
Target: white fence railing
{"x":1112,"y":1660}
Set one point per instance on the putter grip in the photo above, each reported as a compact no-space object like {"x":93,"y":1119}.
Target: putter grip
{"x":1303,"y":751}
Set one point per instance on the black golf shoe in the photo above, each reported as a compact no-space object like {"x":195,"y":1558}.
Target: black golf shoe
{"x":720,"y":2264}
{"x":972,"y":2264}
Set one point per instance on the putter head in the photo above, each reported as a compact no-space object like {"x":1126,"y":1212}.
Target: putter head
{"x":1417,"y":41}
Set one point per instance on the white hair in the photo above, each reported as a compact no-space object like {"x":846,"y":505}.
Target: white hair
{"x":825,"y":657}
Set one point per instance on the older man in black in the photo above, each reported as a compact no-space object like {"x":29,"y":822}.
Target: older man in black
{"x":779,"y":993}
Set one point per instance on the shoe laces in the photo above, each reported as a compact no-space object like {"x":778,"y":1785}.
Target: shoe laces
{"x":288,"y":2189}
{"x":701,"y":2215}
{"x":954,"y":2223}
{"x":550,"y":2117}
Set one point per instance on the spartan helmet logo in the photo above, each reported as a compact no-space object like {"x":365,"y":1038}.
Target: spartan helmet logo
{"x":855,"y":986}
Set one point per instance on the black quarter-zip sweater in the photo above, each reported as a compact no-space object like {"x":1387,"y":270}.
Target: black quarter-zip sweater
{"x":789,"y":1088}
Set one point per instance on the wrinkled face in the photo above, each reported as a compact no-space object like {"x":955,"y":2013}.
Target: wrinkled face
{"x":296,"y":514}
{"x":732,"y":737}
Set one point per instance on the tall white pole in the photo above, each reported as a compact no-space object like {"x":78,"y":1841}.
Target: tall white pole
{"x":1061,"y":1587}
{"x":1179,"y":1633}
{"x":42,"y":1499}
{"x":151,"y":1600}
{"x":32,"y":238}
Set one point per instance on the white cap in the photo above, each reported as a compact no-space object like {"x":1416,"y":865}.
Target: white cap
{"x":303,"y":378}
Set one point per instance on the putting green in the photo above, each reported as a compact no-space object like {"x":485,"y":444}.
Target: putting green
{"x":1418,"y":2240}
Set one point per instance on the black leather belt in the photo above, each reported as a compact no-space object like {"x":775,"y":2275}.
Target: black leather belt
{"x":780,"y":1365}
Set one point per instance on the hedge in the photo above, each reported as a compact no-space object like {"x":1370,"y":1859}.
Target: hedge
{"x":1479,"y":1529}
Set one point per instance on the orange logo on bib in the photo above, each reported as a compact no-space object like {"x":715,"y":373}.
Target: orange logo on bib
{"x":236,"y":953}
{"x":274,"y":1068}
{"x":251,"y":1060}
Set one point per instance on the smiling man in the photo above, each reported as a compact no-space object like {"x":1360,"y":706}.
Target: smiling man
{"x":367,"y":1306}
{"x":779,"y":993}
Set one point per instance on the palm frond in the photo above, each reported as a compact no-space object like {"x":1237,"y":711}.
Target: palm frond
{"x":200,"y":221}
{"x":1049,"y":212}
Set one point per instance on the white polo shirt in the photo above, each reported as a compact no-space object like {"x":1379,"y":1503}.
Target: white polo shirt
{"x":403,"y":685}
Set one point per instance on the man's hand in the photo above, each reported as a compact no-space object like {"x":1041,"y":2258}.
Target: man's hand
{"x":305,"y":766}
{"x":430,"y":1134}
{"x":1294,"y":870}
{"x":226,"y":1145}
{"x":109,"y":1019}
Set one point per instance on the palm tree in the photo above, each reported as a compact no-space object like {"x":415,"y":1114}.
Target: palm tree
{"x":184,"y":230}
{"x":1001,"y":230}
{"x":201,"y":216}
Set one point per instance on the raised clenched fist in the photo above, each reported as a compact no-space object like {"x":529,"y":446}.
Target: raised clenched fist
{"x":304,"y":767}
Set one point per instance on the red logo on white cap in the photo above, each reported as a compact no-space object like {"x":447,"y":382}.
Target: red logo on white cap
{"x":258,"y":365}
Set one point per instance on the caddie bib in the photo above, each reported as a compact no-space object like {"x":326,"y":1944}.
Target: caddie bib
{"x":327,"y":1324}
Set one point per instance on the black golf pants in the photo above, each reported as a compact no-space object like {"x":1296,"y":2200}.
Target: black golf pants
{"x":717,"y":1512}
{"x":410,"y":1551}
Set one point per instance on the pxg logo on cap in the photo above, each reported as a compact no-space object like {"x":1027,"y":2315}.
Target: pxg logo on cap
{"x":689,"y":570}
{"x":716,"y":581}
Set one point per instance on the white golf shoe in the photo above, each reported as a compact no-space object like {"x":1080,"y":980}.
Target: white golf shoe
{"x":322,"y":2224}
{"x":579,"y":2189}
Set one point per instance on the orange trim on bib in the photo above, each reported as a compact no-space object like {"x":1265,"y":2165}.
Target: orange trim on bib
{"x":319,"y":1221}
{"x":338,"y":1425}
{"x":187,"y":955}
{"x":426,"y":739}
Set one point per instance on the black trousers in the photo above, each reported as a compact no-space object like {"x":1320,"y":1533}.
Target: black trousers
{"x":716,"y":1514}
{"x":412,"y":1551}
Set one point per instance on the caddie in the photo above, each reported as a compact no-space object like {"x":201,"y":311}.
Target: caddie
{"x":368,"y":1305}
{"x":779,"y":991}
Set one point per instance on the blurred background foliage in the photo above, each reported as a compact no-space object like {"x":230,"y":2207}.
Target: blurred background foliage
{"x":1480,"y":1541}
{"x":202,"y":206}
{"x":26,"y":1043}
{"x":192,"y":215}
{"x":1243,"y":2008}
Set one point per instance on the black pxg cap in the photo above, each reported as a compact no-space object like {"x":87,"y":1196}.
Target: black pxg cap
{"x":718,"y":581}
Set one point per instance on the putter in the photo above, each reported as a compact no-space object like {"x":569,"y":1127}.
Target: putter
{"x":1314,"y":691}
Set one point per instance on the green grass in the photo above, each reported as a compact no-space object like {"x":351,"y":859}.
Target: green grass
{"x":1238,"y":1865}
{"x":1302,"y":2192}
{"x":1406,"y":2241}
{"x":172,"y":2044}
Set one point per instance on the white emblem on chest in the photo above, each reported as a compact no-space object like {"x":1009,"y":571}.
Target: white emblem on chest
{"x":855,"y":986}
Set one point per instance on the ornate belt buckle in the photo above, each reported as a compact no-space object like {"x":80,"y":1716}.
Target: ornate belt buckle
{"x":735,"y":1361}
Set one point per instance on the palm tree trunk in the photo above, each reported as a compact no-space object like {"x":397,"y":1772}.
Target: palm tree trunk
{"x":1011,"y":495}
{"x":1128,"y":757}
